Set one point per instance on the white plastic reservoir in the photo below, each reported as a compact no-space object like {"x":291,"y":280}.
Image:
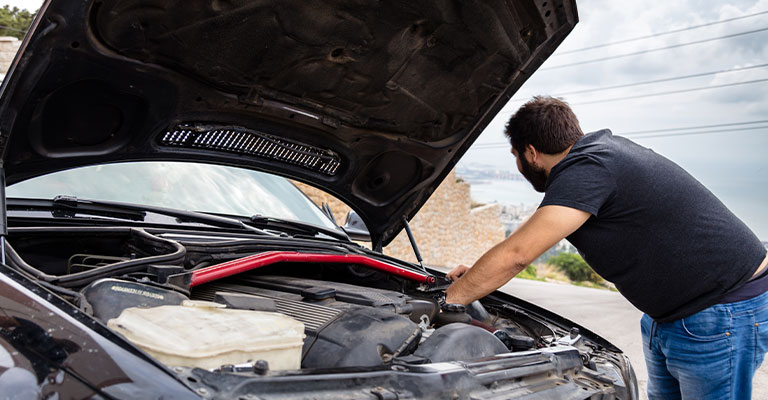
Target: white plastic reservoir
{"x":205,"y":335}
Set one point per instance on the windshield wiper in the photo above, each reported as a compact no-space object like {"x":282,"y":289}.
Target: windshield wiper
{"x":70,"y":206}
{"x":286,"y":226}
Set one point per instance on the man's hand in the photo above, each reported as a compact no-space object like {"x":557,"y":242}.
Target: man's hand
{"x":457,"y":272}
{"x":547,"y":226}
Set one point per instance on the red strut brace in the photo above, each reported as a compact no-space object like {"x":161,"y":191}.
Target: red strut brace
{"x":229,"y":268}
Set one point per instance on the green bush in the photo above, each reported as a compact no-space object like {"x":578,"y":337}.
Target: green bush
{"x":15,"y":21}
{"x":575,"y":267}
{"x":528,"y":273}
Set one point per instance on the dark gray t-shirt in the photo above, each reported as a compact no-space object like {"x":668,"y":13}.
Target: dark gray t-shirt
{"x":666,"y":242}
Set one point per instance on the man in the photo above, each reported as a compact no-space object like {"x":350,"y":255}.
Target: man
{"x":666,"y":242}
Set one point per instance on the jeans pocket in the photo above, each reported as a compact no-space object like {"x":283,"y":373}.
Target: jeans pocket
{"x":761,"y":343}
{"x":708,"y":324}
{"x":761,"y":334}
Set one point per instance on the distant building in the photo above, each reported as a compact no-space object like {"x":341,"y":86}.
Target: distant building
{"x":479,"y":173}
{"x":9,"y":45}
{"x":513,"y":216}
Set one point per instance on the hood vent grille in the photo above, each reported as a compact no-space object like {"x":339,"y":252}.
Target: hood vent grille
{"x":241,"y":141}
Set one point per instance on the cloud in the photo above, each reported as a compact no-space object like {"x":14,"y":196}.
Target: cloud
{"x":706,"y":155}
{"x":30,"y":5}
{"x":603,"y":21}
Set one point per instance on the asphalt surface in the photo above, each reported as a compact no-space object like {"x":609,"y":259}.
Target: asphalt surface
{"x":609,"y":315}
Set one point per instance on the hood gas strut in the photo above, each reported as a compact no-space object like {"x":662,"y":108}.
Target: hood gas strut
{"x":3,"y":214}
{"x":413,"y":245}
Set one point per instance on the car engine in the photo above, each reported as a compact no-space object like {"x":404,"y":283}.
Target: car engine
{"x":352,"y":315}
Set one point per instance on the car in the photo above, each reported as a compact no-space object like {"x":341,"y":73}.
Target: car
{"x":154,"y":244}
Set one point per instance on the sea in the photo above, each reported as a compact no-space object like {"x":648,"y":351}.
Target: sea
{"x":520,"y":192}
{"x":511,"y":192}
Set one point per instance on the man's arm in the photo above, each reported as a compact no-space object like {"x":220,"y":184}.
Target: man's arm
{"x":547,"y":226}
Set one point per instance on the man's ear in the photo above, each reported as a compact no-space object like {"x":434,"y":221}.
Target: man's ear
{"x":532,"y":153}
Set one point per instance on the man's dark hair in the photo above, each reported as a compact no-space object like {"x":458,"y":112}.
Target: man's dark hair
{"x":545,"y":122}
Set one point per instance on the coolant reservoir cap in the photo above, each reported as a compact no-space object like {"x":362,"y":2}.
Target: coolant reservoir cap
{"x":202,"y":304}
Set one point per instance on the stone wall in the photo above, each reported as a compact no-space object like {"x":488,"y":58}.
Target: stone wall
{"x":447,"y":229}
{"x":9,"y":45}
{"x":338,"y":207}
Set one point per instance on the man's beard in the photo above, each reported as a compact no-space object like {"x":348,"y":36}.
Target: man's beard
{"x":535,"y":175}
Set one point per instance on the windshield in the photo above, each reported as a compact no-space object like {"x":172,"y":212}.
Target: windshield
{"x":179,"y":185}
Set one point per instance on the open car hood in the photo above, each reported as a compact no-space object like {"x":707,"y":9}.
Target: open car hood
{"x":371,"y":101}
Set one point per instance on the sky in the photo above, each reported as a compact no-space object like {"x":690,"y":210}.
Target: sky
{"x":31,"y":5}
{"x":731,"y":160}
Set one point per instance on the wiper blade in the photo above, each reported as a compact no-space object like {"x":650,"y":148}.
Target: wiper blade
{"x":283,"y":225}
{"x":70,"y":206}
{"x":278,"y":223}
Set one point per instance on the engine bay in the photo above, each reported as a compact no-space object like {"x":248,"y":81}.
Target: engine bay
{"x":353,"y":315}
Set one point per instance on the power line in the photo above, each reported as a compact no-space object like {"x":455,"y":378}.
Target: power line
{"x":674,"y":78}
{"x":8,"y":28}
{"x":697,"y":132}
{"x":656,"y":94}
{"x":674,"y":46}
{"x":644,"y":133}
{"x":672,"y":92}
{"x":653,"y":136}
{"x":634,"y":39}
{"x":696,"y":127}
{"x":657,"y":136}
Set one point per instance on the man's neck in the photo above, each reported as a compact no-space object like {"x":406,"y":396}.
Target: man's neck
{"x":548,"y":161}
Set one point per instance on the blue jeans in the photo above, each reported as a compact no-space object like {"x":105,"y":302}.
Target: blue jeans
{"x":712,"y":354}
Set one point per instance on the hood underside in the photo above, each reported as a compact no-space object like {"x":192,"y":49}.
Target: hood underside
{"x":371,"y":101}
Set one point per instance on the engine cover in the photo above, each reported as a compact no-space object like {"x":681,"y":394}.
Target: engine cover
{"x":459,"y":341}
{"x":339,"y":333}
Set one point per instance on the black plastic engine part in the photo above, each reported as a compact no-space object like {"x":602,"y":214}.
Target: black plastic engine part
{"x":478,"y":312}
{"x":364,"y":296}
{"x":245,"y":302}
{"x":411,"y":359}
{"x":160,"y":274}
{"x":423,"y":308}
{"x":452,"y":313}
{"x":318,"y":293}
{"x":362,"y":337}
{"x":515,"y":342}
{"x":163,"y":272}
{"x":460,"y":342}
{"x":109,"y":297}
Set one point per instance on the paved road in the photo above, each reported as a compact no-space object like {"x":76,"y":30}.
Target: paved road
{"x":609,"y":315}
